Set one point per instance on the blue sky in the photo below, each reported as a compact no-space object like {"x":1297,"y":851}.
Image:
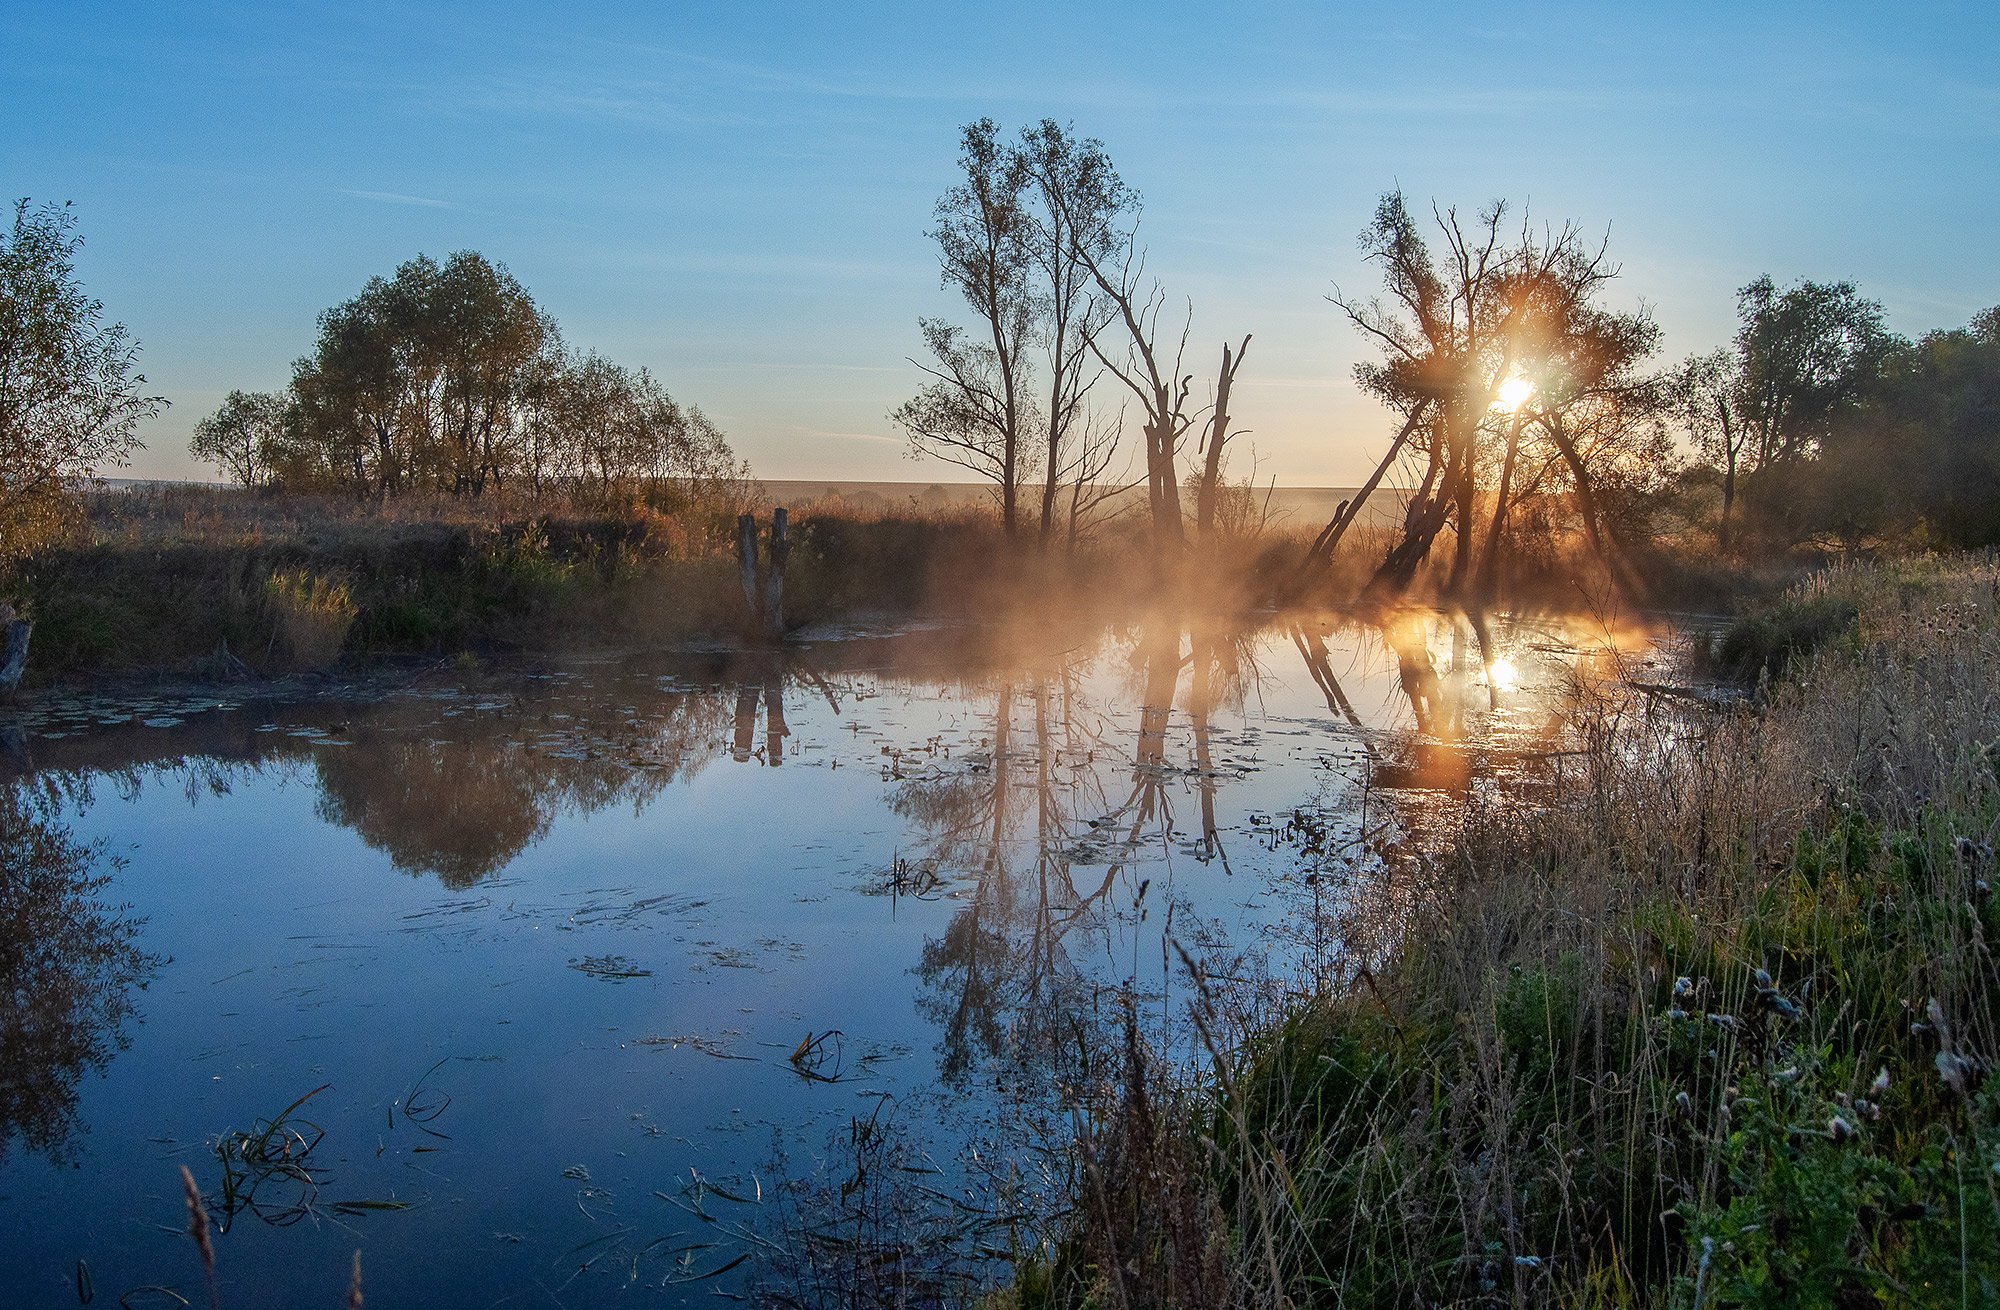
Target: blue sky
{"x":735,"y":195}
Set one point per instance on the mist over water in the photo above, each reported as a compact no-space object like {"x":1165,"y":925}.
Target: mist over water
{"x":593,"y":958}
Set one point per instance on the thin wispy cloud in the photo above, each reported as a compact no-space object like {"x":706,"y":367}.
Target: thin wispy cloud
{"x":397,"y":198}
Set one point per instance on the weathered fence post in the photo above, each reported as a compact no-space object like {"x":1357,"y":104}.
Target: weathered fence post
{"x":764,"y":598}
{"x":13,"y":648}
{"x":746,"y":561}
{"x":774,"y":585}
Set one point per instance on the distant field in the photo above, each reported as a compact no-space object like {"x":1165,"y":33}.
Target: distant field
{"x":1292,"y":506}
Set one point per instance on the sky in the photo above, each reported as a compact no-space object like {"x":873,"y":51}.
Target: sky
{"x":736,"y":195}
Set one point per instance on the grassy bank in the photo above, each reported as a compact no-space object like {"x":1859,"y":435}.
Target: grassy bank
{"x":163,"y":579}
{"x":1707,"y":1025}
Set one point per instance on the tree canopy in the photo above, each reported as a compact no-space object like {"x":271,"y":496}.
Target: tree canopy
{"x":1526,"y":404}
{"x":449,"y":378}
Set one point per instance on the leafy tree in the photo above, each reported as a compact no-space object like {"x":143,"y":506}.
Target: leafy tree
{"x":622,"y":434}
{"x":447,"y":377}
{"x":1495,"y":314}
{"x":70,"y":402}
{"x":976,"y":410}
{"x":1806,"y":361}
{"x":244,"y":436}
{"x":1806,"y":356}
{"x":1932,"y":415}
{"x":421,"y":380}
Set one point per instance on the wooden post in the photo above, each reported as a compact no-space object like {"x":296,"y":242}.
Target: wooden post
{"x":746,"y":560}
{"x":13,"y":648}
{"x":774,"y":585}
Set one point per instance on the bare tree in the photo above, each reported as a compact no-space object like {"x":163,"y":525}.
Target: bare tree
{"x":1078,"y":198}
{"x":1041,"y":241}
{"x":1157,"y":380}
{"x":1097,"y":474}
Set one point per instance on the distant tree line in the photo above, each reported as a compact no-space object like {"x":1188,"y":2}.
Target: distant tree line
{"x":1820,"y":423}
{"x":448,"y":378}
{"x":1528,"y":411}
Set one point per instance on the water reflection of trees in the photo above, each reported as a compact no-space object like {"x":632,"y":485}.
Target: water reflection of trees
{"x":449,"y":785}
{"x":1050,"y":831}
{"x":465,"y":805}
{"x":69,"y":963}
{"x":1045,"y":826}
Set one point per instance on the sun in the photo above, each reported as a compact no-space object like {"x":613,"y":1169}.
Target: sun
{"x":1502,"y":674}
{"x":1514,"y":393}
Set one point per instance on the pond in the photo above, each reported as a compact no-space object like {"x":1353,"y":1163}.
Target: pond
{"x":592,"y":981}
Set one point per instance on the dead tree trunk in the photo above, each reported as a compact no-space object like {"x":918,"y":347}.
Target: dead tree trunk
{"x":1218,"y":434}
{"x":1349,"y":510}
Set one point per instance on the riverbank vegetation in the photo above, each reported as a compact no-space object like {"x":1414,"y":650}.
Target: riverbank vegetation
{"x":1702,"y":1017}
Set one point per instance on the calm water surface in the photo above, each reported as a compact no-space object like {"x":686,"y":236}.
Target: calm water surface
{"x":592,"y":958}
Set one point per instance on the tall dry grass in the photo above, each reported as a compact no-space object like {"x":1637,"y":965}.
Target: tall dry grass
{"x":1707,"y":1023}
{"x":310,"y":616}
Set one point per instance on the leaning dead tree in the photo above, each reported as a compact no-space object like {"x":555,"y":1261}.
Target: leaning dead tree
{"x":1494,"y":356}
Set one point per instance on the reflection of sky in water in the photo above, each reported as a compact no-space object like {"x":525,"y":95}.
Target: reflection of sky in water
{"x":591,"y":895}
